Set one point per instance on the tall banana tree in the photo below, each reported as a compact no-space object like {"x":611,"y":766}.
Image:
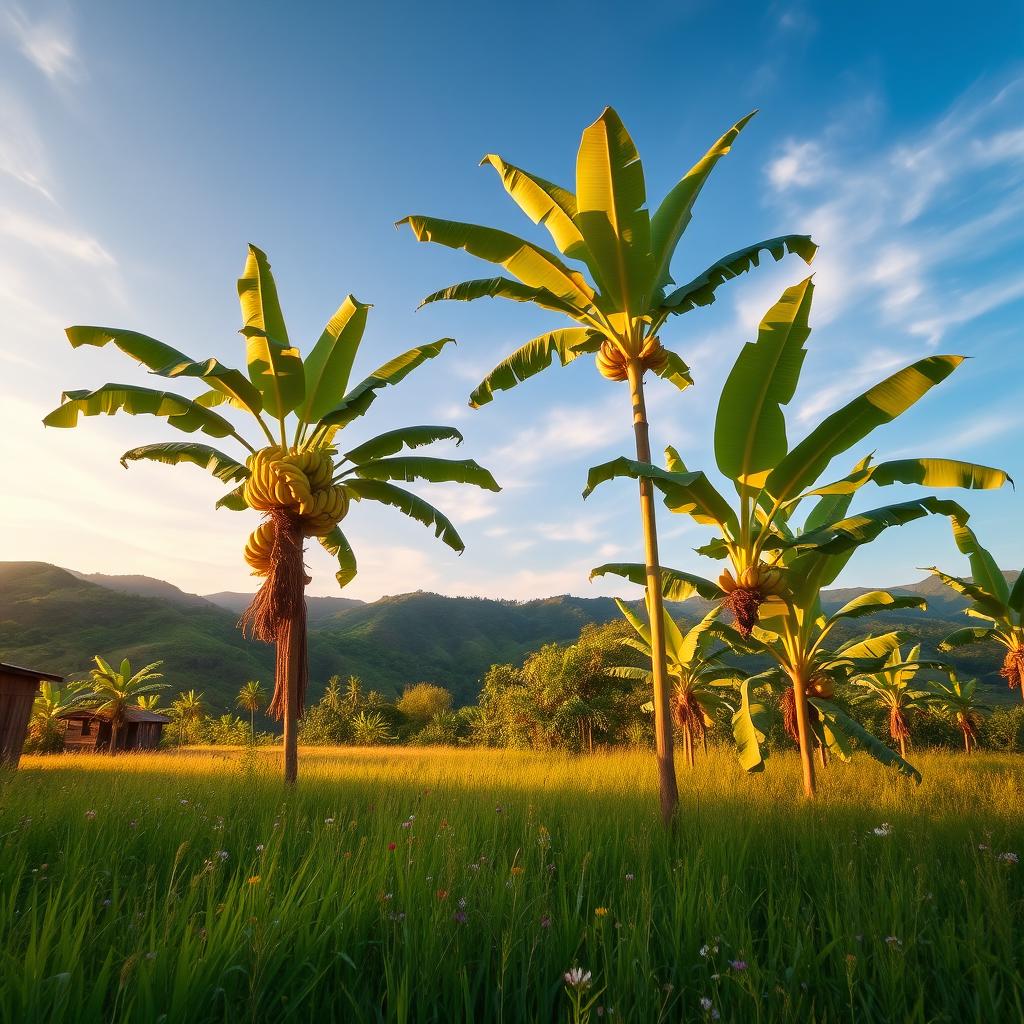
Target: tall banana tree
{"x":701,"y":680}
{"x":992,"y":600}
{"x":293,"y":472}
{"x":892,"y":691}
{"x":619,"y":295}
{"x":778,"y":565}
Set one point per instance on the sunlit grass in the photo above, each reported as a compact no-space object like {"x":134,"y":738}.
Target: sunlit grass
{"x":444,"y":885}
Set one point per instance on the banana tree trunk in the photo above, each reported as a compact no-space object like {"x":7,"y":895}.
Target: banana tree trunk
{"x":114,"y":730}
{"x":803,"y":728}
{"x":296,"y":638}
{"x":667,"y":788}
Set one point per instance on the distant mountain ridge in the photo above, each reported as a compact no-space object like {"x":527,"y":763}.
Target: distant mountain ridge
{"x":56,"y":620}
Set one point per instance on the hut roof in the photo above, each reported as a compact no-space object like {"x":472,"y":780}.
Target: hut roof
{"x":130,"y":715}
{"x":31,"y":673}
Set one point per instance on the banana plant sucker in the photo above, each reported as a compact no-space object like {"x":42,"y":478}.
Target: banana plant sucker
{"x":295,"y":475}
{"x":618,"y":298}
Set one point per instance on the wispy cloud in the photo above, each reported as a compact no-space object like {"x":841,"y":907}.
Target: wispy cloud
{"x":22,"y":153}
{"x":52,"y":239}
{"x":897,"y":228}
{"x":48,"y":41}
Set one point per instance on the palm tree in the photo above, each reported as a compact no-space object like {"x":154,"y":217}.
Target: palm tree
{"x":116,"y":690}
{"x":297,"y":480}
{"x":250,"y":698}
{"x":46,"y":728}
{"x":777,"y":566}
{"x":696,"y":670}
{"x":189,"y":709}
{"x":993,"y":601}
{"x":958,"y":702}
{"x":891,"y":691}
{"x":618,"y":313}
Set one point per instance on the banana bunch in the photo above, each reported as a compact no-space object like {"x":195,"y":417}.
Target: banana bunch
{"x":299,"y":482}
{"x":612,"y":363}
{"x":768,"y":582}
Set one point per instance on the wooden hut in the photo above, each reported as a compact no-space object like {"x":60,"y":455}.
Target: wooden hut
{"x":18,"y":688}
{"x":89,"y":729}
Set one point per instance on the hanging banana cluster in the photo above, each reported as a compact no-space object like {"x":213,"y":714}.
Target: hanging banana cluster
{"x":768,"y":582}
{"x":744,"y":596}
{"x":297,"y":483}
{"x":1013,"y":667}
{"x":612,"y":362}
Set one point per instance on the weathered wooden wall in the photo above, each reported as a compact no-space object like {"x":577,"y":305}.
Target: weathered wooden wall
{"x":17,"y":694}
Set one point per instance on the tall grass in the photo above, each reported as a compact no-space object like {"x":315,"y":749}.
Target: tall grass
{"x":448,"y":885}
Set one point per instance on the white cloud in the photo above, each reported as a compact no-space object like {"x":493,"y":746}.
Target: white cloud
{"x":896,"y":226}
{"x":22,"y":154}
{"x":52,"y":239}
{"x":563,"y":433}
{"x":800,"y":165}
{"x":47,"y":42}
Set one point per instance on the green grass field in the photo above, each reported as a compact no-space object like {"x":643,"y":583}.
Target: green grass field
{"x":451,"y":885}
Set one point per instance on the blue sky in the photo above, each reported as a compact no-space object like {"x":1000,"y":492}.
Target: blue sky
{"x":142,"y":146}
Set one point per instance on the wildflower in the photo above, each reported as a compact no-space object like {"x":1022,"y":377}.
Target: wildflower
{"x":151,"y":956}
{"x":551,"y":869}
{"x":90,"y":815}
{"x":517,"y":869}
{"x":498,"y":809}
{"x":106,"y":903}
{"x":406,"y":824}
{"x":259,"y":848}
{"x":392,"y":846}
{"x":893,"y":943}
{"x":705,"y":1003}
{"x":884,"y":829}
{"x":738,"y":965}
{"x":442,"y":894}
{"x":545,"y":921}
{"x":577,"y":978}
{"x":1009,"y":858}
{"x":223,"y":854}
{"x":982,"y":846}
{"x":133,"y":824}
{"x":474,"y":867}
{"x":254,"y":879}
{"x":462,"y":902}
{"x":704,"y":950}
{"x":397,"y":915}
{"x":600,"y":911}
{"x":630,"y":876}
{"x":460,"y":917}
{"x":328,"y":821}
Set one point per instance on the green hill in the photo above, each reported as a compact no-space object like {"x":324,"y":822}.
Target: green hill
{"x":55,"y":620}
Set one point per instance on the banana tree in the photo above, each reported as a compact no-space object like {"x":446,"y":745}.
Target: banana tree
{"x":294,"y":472}
{"x":116,"y":690}
{"x":700,"y":678}
{"x":993,"y":600}
{"x":777,"y":564}
{"x":959,"y":703}
{"x":46,"y":726}
{"x":826,"y":671}
{"x":891,"y":691}
{"x":618,"y":310}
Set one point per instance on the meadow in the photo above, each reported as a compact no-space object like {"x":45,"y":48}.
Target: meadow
{"x":462,"y":884}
